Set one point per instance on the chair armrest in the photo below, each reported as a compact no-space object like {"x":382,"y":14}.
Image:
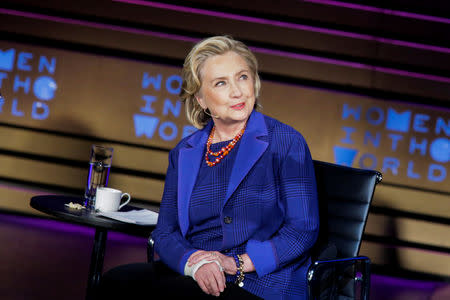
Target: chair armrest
{"x":151,"y":254}
{"x":150,"y":249}
{"x":344,"y":276}
{"x":338,"y":261}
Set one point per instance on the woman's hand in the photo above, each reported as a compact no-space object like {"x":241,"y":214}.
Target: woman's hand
{"x":228,"y":264}
{"x":210,"y":279}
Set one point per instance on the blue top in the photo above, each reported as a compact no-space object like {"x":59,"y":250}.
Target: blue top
{"x":205,"y":227}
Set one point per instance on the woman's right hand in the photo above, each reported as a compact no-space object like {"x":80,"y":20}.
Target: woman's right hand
{"x":211,"y":279}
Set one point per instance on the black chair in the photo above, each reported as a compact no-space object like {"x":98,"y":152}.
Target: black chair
{"x":344,"y":196}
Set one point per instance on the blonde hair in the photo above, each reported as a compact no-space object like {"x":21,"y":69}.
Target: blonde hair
{"x":216,"y":45}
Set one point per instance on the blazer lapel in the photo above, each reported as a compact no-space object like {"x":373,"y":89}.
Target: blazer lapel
{"x":249,"y":151}
{"x":188,"y":166}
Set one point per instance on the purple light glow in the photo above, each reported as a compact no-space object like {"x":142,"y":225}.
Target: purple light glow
{"x":55,"y":225}
{"x":96,"y":25}
{"x":384,"y":11}
{"x":383,"y":286}
{"x":48,"y":224}
{"x":256,"y":49}
{"x":351,"y":64}
{"x":404,"y":283}
{"x":286,"y":25}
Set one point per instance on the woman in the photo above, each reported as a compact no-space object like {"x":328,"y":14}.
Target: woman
{"x":239,"y":211}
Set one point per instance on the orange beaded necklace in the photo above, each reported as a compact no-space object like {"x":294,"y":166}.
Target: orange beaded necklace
{"x":222,"y":152}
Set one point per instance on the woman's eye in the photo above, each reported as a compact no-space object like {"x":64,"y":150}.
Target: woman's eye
{"x":220,"y":83}
{"x":244,"y":76}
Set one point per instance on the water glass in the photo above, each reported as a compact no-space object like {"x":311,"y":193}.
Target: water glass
{"x":99,"y":166}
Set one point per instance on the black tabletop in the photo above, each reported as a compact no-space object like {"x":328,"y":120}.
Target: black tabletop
{"x":55,"y":205}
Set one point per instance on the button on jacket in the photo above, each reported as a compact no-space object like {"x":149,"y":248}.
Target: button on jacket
{"x":270,"y":210}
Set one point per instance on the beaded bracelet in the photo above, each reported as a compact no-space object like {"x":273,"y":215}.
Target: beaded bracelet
{"x":240,"y":270}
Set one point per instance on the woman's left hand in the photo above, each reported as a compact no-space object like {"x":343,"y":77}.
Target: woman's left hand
{"x":228,"y":264}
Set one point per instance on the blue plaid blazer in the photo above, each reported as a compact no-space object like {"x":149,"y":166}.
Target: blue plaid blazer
{"x":270,"y":210}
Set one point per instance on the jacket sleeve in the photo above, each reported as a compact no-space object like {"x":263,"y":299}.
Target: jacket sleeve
{"x":170,"y":245}
{"x":298,"y":197}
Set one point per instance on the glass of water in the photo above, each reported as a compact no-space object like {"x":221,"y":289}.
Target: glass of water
{"x":99,"y":166}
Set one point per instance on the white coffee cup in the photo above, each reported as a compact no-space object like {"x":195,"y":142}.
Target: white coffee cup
{"x":108,"y":199}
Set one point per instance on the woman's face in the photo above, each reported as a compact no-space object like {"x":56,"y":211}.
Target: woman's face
{"x":227,"y":89}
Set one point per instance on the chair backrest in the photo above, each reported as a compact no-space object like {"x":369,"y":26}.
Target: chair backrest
{"x":345,"y":195}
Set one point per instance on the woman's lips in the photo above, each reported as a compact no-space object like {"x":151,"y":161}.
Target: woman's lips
{"x":238,"y":106}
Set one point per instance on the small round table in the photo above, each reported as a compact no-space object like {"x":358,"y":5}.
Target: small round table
{"x":55,"y":205}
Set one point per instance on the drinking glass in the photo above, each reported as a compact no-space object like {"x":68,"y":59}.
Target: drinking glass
{"x":99,"y":166}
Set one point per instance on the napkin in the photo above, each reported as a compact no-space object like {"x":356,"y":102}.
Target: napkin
{"x":140,"y":217}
